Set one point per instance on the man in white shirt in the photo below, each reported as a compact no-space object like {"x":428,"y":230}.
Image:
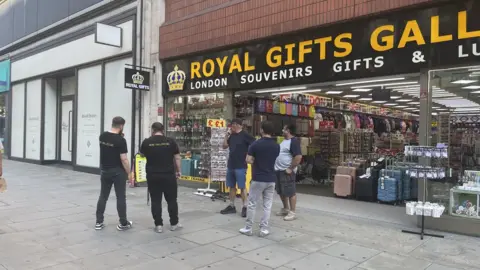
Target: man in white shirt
{"x":286,"y":169}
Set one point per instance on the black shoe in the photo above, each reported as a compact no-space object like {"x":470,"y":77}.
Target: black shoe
{"x":99,"y":226}
{"x":244,"y":212}
{"x":128,"y":226}
{"x":229,"y":210}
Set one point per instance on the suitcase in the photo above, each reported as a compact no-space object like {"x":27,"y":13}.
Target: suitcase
{"x":366,"y":188}
{"x":387,"y":189}
{"x":342,"y":185}
{"x":187,"y":167}
{"x":398,"y":175}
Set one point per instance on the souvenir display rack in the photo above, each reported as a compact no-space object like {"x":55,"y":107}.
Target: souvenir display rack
{"x":434,"y":157}
{"x":465,"y":198}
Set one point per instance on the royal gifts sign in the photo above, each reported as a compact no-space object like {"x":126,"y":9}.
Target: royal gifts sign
{"x":137,"y":79}
{"x":396,"y":43}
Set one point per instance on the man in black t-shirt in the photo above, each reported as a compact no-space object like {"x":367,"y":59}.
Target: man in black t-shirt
{"x":115,"y":170}
{"x":163,"y":169}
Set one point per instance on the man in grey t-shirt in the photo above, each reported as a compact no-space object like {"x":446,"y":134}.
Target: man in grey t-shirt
{"x":286,"y":168}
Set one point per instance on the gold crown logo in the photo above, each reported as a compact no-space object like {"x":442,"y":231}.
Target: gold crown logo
{"x":176,"y":79}
{"x":137,"y":78}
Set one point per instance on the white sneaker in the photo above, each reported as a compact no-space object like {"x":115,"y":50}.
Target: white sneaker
{"x":176,"y":227}
{"x":283,"y":212}
{"x":246,"y":231}
{"x":264,"y":232}
{"x":158,"y":229}
{"x":291,"y":216}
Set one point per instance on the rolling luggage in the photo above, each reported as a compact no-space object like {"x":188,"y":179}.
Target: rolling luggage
{"x":398,"y":176}
{"x":344,"y":181}
{"x":366,"y":188}
{"x":387,"y":189}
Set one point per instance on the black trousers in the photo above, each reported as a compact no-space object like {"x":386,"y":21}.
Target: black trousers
{"x":113,"y":177}
{"x":160,"y":185}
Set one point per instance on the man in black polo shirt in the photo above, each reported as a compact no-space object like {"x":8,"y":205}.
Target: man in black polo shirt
{"x":238,"y":141}
{"x":163,"y":169}
{"x":115,"y":171}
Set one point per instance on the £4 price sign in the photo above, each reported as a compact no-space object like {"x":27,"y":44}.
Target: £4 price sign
{"x":216,"y":123}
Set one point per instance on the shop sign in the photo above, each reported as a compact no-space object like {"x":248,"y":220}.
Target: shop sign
{"x":216,"y":123}
{"x":398,"y":43}
{"x":4,"y":75}
{"x":137,"y":79}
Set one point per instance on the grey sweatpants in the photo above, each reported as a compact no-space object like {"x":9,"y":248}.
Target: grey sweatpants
{"x":264,"y":191}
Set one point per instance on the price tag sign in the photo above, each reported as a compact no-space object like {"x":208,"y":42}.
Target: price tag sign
{"x":216,"y":123}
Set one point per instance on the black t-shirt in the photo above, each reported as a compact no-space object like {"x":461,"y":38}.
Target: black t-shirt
{"x":265,"y":152}
{"x":111,"y":146}
{"x":159,"y":151}
{"x":238,"y":144}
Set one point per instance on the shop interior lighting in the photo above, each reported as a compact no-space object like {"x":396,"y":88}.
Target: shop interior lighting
{"x":456,"y":102}
{"x":379,"y":101}
{"x":464,"y":81}
{"x":442,"y":109}
{"x":385,"y":84}
{"x":366,"y":99}
{"x":351,"y":96}
{"x":474,"y":69}
{"x":362,"y":90}
{"x":475,"y":92}
{"x":471,"y":87}
{"x":395,"y":97}
{"x":390,"y":104}
{"x":371,"y":81}
{"x":401,"y":106}
{"x":296,"y":92}
{"x":404,"y":100}
{"x":414,"y":103}
{"x":467,"y":109}
{"x":404,"y":86}
{"x":281,"y":90}
{"x":334,"y":92}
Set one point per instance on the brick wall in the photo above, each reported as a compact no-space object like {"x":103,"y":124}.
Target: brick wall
{"x":198,"y":25}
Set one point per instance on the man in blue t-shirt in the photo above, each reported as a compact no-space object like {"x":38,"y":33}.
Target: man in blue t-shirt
{"x":286,"y":169}
{"x":237,"y":141}
{"x":262,"y":155}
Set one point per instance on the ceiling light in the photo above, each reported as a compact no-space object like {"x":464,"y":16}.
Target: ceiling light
{"x":471,"y":87}
{"x":390,"y":104}
{"x":280,"y":90}
{"x":362,"y":90}
{"x":401,"y":106}
{"x":296,"y":92}
{"x":395,"y":97}
{"x":351,"y":96}
{"x":409,"y":108}
{"x":334,"y":92}
{"x":366,"y":99}
{"x":379,"y":101}
{"x":414,"y":103}
{"x":403,"y":86}
{"x":474,"y":69}
{"x":464,"y":81}
{"x":442,"y":109}
{"x":404,"y":100}
{"x":435,"y":107}
{"x":475,"y":92}
{"x":371,"y":81}
{"x":386,"y":84}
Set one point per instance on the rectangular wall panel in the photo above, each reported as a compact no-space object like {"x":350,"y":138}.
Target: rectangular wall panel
{"x":34,"y":110}
{"x":89,"y":114}
{"x":18,"y":117}
{"x":50,"y":142}
{"x":118,"y":100}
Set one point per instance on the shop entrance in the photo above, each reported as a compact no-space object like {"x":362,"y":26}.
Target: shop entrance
{"x":66,"y":129}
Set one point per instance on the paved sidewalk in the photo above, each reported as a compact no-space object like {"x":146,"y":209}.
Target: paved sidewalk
{"x":47,"y":218}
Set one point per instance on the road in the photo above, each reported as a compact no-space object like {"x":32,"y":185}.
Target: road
{"x":47,"y":221}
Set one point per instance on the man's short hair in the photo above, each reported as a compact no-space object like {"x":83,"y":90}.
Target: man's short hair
{"x":237,"y":121}
{"x":268,"y":127}
{"x":291,"y":128}
{"x":157,"y":127}
{"x":118,"y":121}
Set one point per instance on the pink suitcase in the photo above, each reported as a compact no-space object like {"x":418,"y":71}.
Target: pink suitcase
{"x":342,"y":185}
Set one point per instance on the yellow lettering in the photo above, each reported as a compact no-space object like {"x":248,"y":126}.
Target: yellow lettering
{"x":340,"y":43}
{"x":248,"y":67}
{"x":235,"y":65}
{"x":323,"y":46}
{"x":303,"y":49}
{"x":221,"y":64}
{"x":274,"y":61}
{"x":387,"y":41}
{"x":195,"y":70}
{"x":411,"y":33}
{"x":463,"y":32}
{"x":290,"y":60}
{"x":208,"y":68}
{"x":435,"y":36}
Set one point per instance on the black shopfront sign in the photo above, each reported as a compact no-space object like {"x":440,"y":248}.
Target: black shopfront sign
{"x":398,"y":43}
{"x":137,"y":79}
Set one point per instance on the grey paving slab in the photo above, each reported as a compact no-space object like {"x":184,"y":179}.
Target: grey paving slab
{"x":280,"y":234}
{"x":235,"y":264}
{"x":97,"y":246}
{"x":441,"y":267}
{"x":350,"y":252}
{"x":308,"y":243}
{"x":322,"y":261}
{"x":207,"y":236}
{"x":38,"y":260}
{"x":387,"y":261}
{"x":204,"y":255}
{"x":165,"y":247}
{"x":273,"y":255}
{"x":38,"y":224}
{"x":162,"y":263}
{"x":115,"y":259}
{"x":244,"y":244}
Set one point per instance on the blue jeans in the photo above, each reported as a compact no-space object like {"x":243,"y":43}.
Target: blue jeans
{"x":236,"y":178}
